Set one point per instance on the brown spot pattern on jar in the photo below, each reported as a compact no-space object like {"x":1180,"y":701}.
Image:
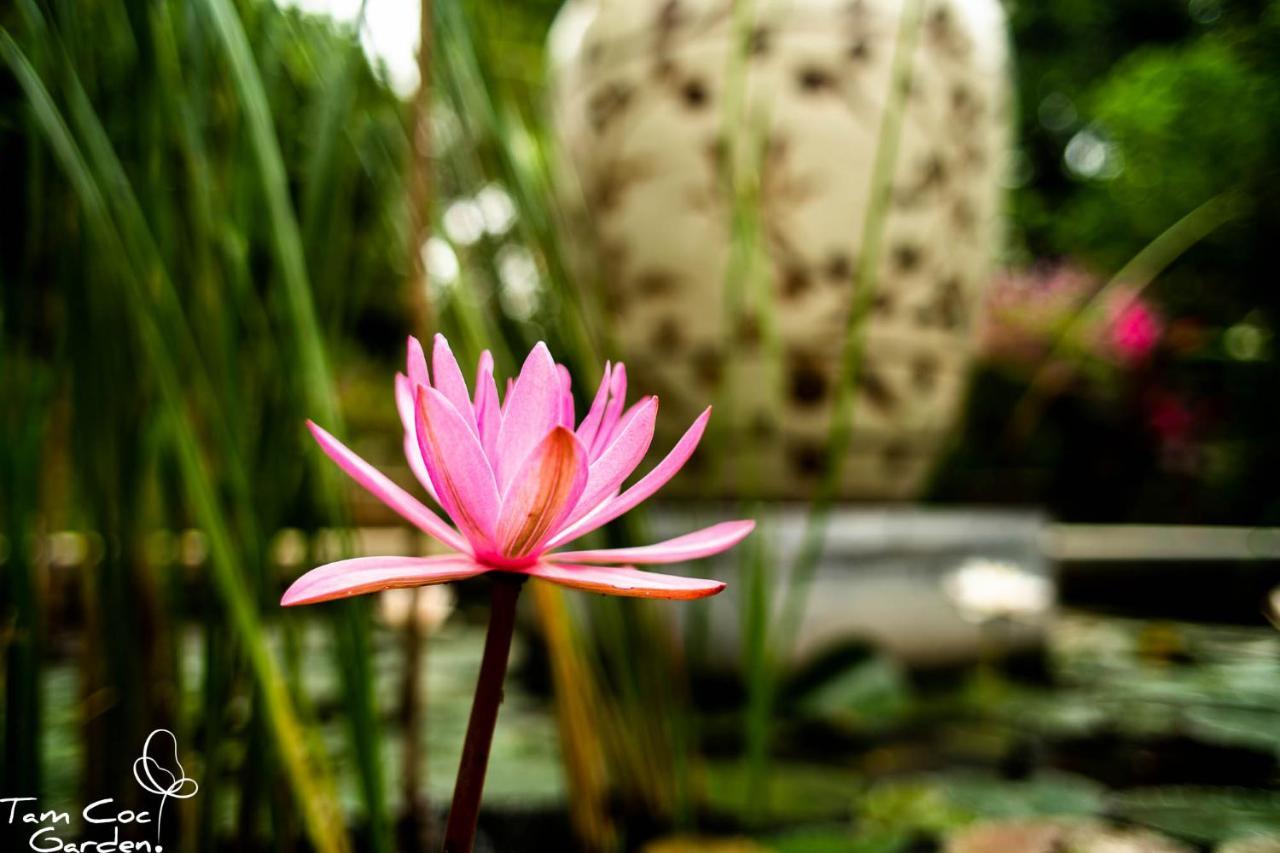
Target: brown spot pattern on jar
{"x":668,"y":337}
{"x":670,"y":17}
{"x":875,"y":390}
{"x":934,"y":172}
{"x":883,"y":304}
{"x":708,"y":365}
{"x":612,"y":183}
{"x":807,"y":385}
{"x":952,"y":311}
{"x":806,"y":458}
{"x":655,"y":284}
{"x":839,"y":267}
{"x":924,"y":372}
{"x":907,"y":257}
{"x":762,"y":426}
{"x":947,"y":309}
{"x":967,"y":107}
{"x":795,"y":281}
{"x":895,"y":457}
{"x":664,"y":69}
{"x":964,"y":215}
{"x":814,"y":79}
{"x":717,"y":153}
{"x":615,"y":301}
{"x":859,"y":50}
{"x":760,"y":42}
{"x":945,"y":36}
{"x":694,"y":94}
{"x":608,"y":103}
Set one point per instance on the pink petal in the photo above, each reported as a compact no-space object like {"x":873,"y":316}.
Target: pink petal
{"x":690,"y":546}
{"x":624,"y":420}
{"x":361,"y":575}
{"x":404,"y":405}
{"x":543,"y":491}
{"x":624,"y":581}
{"x":567,"y":419}
{"x":643,"y":489}
{"x":531,"y":409}
{"x":416,"y":365}
{"x":506,"y":395}
{"x":388,"y":492}
{"x":458,"y":467}
{"x":450,"y":383}
{"x":591,"y":423}
{"x":617,"y":397}
{"x":617,"y":462}
{"x":484,"y":375}
{"x":488,"y":409}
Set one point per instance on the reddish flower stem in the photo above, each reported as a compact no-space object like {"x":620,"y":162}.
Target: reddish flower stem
{"x":460,"y":833}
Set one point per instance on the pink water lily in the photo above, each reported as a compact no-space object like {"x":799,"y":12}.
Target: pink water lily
{"x":520,"y":479}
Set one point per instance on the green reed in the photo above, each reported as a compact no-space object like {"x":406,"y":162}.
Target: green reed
{"x":161,"y":224}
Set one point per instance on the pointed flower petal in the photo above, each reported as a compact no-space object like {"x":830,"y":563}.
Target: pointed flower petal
{"x":416,"y":365}
{"x":531,"y":409}
{"x":567,"y":416}
{"x":484,"y":375}
{"x":617,"y":462}
{"x":488,"y":409}
{"x":458,"y":468}
{"x":413,"y":455}
{"x":612,"y":411}
{"x":361,"y":575}
{"x":388,"y":492}
{"x":591,"y":423}
{"x":691,"y":546}
{"x":624,"y":581}
{"x":449,"y":381}
{"x":643,"y":489}
{"x":544,"y":489}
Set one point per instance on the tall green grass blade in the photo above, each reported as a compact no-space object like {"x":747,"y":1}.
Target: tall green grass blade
{"x":871,"y":249}
{"x":27,"y":388}
{"x":791,"y":610}
{"x":314,"y":795}
{"x":287,"y":240}
{"x":312,"y":366}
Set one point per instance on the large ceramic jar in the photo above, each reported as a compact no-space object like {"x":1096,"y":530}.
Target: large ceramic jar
{"x":719,"y":159}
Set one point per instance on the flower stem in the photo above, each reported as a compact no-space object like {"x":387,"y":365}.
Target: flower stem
{"x":460,"y":833}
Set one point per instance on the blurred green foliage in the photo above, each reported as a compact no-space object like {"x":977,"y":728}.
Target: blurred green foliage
{"x":1131,"y":115}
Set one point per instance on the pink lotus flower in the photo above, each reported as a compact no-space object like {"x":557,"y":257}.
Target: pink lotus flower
{"x":520,"y":481}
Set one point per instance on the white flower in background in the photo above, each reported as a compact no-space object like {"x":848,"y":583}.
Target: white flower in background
{"x":497,"y":209}
{"x":440,"y":262}
{"x":463,"y":222}
{"x":430,"y":609}
{"x":991,"y":589}
{"x":518,"y":272}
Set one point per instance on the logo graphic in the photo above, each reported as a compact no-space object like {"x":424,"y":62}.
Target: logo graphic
{"x":156,"y":778}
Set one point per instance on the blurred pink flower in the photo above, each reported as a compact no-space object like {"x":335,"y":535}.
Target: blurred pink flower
{"x":1134,"y":328}
{"x":1027,"y":309}
{"x":1170,"y":419}
{"x":519,"y":481}
{"x":1048,"y":309}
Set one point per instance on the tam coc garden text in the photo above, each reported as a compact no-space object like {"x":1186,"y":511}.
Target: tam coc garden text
{"x":672,"y":426}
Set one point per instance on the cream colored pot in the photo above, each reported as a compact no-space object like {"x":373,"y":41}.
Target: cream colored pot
{"x":718,"y":160}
